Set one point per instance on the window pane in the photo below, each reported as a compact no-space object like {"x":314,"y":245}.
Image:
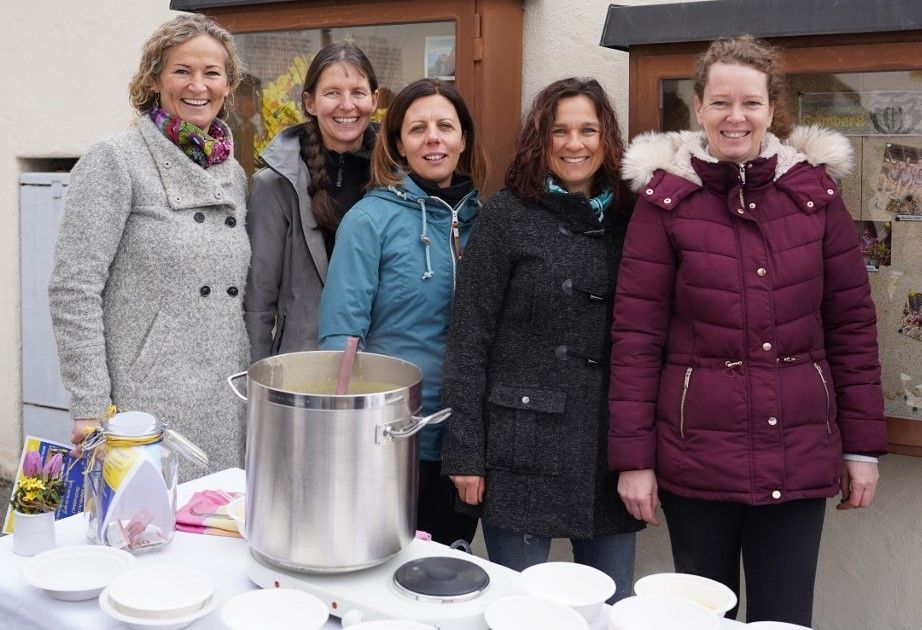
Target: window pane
{"x":269,"y":98}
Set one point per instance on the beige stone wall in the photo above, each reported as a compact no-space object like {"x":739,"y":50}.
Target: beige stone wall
{"x":65,"y":68}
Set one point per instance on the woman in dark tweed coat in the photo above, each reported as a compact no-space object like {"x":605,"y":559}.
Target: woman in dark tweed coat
{"x":525,"y":370}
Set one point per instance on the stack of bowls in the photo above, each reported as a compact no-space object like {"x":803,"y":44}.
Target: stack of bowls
{"x":163,"y":597}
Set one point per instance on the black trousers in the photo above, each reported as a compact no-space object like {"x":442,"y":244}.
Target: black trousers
{"x":779,"y":545}
{"x":436,"y":507}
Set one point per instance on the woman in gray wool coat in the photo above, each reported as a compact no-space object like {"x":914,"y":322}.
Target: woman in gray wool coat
{"x":151,"y":256}
{"x":525,"y":371}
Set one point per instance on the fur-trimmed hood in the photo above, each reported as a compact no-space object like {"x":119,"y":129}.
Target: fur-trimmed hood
{"x":672,"y":152}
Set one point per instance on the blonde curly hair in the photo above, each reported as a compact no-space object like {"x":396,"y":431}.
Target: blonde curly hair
{"x":173,"y":33}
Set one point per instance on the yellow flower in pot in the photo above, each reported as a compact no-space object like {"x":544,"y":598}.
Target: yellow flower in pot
{"x":37,"y":496}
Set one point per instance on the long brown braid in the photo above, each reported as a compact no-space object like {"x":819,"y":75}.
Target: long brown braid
{"x":312,"y":150}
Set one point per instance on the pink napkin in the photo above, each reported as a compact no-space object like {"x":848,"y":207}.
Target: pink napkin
{"x":206,"y":513}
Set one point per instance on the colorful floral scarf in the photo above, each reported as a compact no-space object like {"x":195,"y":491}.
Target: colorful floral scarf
{"x":205,"y":149}
{"x":598,"y":204}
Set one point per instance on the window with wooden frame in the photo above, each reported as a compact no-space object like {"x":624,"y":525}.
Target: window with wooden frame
{"x":865,"y":85}
{"x":475,"y":43}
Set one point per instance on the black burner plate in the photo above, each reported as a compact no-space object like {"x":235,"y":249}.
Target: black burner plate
{"x":442,"y":577}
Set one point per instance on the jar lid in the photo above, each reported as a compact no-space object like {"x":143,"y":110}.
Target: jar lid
{"x":133,"y":424}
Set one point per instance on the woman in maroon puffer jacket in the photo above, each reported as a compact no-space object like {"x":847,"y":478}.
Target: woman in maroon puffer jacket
{"x":744,"y":358}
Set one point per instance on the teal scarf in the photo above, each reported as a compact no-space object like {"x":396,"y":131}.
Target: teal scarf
{"x":598,"y":204}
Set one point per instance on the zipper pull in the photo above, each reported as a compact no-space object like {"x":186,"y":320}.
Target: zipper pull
{"x":742,"y":173}
{"x":339,"y":174}
{"x":455,"y":234}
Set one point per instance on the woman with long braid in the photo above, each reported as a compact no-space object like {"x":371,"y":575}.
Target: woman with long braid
{"x":313,"y":173}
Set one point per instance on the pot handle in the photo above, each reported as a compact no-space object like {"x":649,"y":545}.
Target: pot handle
{"x":230,"y":381}
{"x":404,"y":429}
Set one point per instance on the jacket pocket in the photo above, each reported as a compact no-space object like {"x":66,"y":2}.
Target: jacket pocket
{"x":150,"y":352}
{"x":277,"y":334}
{"x":526,"y":430}
{"x":692,"y":399}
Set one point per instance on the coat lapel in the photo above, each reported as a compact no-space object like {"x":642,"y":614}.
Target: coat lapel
{"x":312,"y":236}
{"x":187,"y":184}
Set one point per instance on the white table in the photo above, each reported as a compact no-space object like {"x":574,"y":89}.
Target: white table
{"x":24,"y":607}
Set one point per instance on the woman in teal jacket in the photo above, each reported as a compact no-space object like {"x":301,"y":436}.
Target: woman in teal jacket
{"x":391,"y":279}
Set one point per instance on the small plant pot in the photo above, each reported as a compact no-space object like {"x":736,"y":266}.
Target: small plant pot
{"x":33,"y":533}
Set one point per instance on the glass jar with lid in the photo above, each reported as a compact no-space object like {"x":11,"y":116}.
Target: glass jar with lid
{"x":131,"y":479}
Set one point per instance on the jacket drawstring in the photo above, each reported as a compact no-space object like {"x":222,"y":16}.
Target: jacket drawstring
{"x":426,"y":241}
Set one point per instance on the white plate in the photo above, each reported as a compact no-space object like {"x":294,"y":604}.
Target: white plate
{"x":731,"y":624}
{"x":146,"y":623}
{"x":276,"y":608}
{"x":76,"y":572}
{"x":522,"y":612}
{"x":161,"y":592}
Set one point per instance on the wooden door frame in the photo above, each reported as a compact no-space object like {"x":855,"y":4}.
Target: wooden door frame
{"x":649,"y":65}
{"x":488,"y":70}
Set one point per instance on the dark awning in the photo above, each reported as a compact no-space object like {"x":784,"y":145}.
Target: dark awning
{"x":627,"y":26}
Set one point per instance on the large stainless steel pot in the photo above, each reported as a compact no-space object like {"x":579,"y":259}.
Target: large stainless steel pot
{"x":331,"y":480}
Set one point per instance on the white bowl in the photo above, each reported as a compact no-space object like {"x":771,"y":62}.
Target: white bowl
{"x":523,"y":612}
{"x":709,"y":593}
{"x":148,"y":623}
{"x":390,"y":624}
{"x":276,"y":608}
{"x":161,"y":592}
{"x":775,"y":625}
{"x":236,"y":509}
{"x":582,"y":588}
{"x":76,"y":572}
{"x":648,"y":612}
{"x":731,"y":624}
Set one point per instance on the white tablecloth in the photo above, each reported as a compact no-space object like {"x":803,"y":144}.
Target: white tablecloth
{"x":24,"y":607}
